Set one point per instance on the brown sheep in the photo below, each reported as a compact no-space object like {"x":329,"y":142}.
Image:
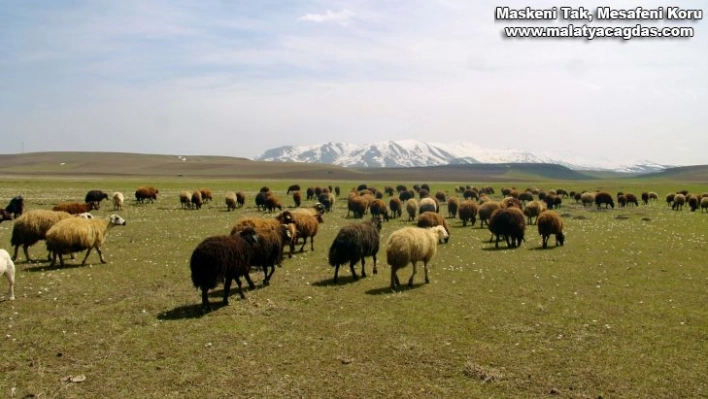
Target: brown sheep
{"x":206,"y":194}
{"x":452,"y":204}
{"x":146,"y":193}
{"x":297,"y":198}
{"x":509,"y":223}
{"x":185,"y":199}
{"x":412,"y":208}
{"x":428,"y":204}
{"x":240,"y":199}
{"x":230,"y":201}
{"x":430,"y":219}
{"x":396,"y":207}
{"x":197,"y":199}
{"x":533,"y":210}
{"x":468,"y":212}
{"x":485,"y":211}
{"x":307,"y":225}
{"x":679,"y":201}
{"x":272,"y":203}
{"x":357,"y":205}
{"x":76,"y":208}
{"x":378,"y":208}
{"x":704,"y":204}
{"x":604,"y":198}
{"x":550,"y":223}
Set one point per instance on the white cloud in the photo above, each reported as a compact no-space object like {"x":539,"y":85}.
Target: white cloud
{"x":340,"y":17}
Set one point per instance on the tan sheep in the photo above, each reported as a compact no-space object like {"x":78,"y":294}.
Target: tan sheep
{"x":431,"y":219}
{"x":31,"y":227}
{"x":549,"y":223}
{"x":411,"y":245}
{"x":533,"y":209}
{"x":76,"y":234}
{"x":118,"y":201}
{"x":230,"y":200}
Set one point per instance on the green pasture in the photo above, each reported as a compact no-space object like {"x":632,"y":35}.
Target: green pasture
{"x":620,"y":311}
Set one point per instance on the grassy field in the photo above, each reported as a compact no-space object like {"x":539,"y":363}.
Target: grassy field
{"x":619,"y":311}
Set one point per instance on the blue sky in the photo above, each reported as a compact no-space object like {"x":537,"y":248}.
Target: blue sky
{"x":239,"y":77}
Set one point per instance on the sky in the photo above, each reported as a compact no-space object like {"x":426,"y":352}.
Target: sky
{"x":236,"y":78}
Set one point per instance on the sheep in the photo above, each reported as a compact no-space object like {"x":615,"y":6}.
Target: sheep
{"x":5,"y":215}
{"x":327,"y":200}
{"x":75,"y":208}
{"x":353,"y":243}
{"x":653,"y":196}
{"x":357,"y":205}
{"x":431,"y":219}
{"x":267,"y":251}
{"x":396,"y":207}
{"x":95,"y":196}
{"x":485,"y":212}
{"x":220,"y":259}
{"x":604,"y":198}
{"x":31,"y":227}
{"x":412,"y":208}
{"x":261,"y":199}
{"x":197,"y":200}
{"x":468,"y":212}
{"x":207,"y":195}
{"x":406,"y":195}
{"x":679,"y":201}
{"x":411,"y":245}
{"x":7,"y":267}
{"x":704,"y":204}
{"x":428,"y":204}
{"x":692,"y":202}
{"x":452,"y":204}
{"x":469,"y":193}
{"x":670,"y":199}
{"x":16,"y":206}
{"x":440,"y":196}
{"x":76,"y":234}
{"x":230,"y":201}
{"x":533,"y":210}
{"x":240,"y":199}
{"x":509,"y":223}
{"x":118,"y":200}
{"x":549,"y":223}
{"x":146,"y":193}
{"x":645,"y":198}
{"x":511,"y":201}
{"x":297,"y":198}
{"x":272,"y":202}
{"x":587,"y":198}
{"x":378,"y":208}
{"x":272,"y":224}
{"x":185,"y":199}
{"x":525,"y":197}
{"x":293,"y":188}
{"x":307,"y":225}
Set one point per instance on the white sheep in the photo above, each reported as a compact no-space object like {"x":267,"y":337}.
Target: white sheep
{"x":77,"y":234}
{"x":411,"y":245}
{"x":118,"y":200}
{"x":7,"y":267}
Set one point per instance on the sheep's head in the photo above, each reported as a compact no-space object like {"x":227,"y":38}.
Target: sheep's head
{"x":441,"y":232}
{"x":285,"y":217}
{"x":249,"y":234}
{"x":376,"y":221}
{"x":560,"y":238}
{"x":116,"y":220}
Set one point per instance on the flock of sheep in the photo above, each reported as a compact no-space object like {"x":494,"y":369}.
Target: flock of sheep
{"x":261,"y":241}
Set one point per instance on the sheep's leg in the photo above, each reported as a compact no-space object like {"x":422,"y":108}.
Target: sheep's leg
{"x":394,"y":279}
{"x":410,"y":280}
{"x":24,"y":248}
{"x":268,"y":275}
{"x":10,"y":275}
{"x":354,"y":276}
{"x":545,"y":240}
{"x":61,"y":260}
{"x":336,"y":273}
{"x":205,"y":300}
{"x":251,"y":285}
{"x":375,"y":270}
{"x":312,"y":243}
{"x":363,"y":267}
{"x":425,"y":267}
{"x":88,"y":251}
{"x":302,"y":248}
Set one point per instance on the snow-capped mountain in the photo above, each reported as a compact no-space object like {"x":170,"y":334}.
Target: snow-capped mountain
{"x":409,"y":153}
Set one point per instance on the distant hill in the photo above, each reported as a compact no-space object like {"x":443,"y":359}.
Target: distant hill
{"x":87,"y":164}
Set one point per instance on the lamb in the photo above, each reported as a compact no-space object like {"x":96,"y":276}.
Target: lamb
{"x":485,"y":212}
{"x":207,"y":195}
{"x":353,"y":243}
{"x":396,"y":207}
{"x":509,"y":223}
{"x":197,"y":200}
{"x":185,"y":199}
{"x":411,"y":208}
{"x":230,"y":201}
{"x":587,"y":198}
{"x":452,"y":206}
{"x":7,"y":267}
{"x":604,"y":198}
{"x":16,"y":206}
{"x":118,"y":200}
{"x":431,"y":219}
{"x":31,"y":227}
{"x":411,"y":245}
{"x":307,"y":225}
{"x":220,"y":259}
{"x":533,"y":209}
{"x":468,"y":212}
{"x":428,"y":204}
{"x":75,"y":208}
{"x":549,"y":223}
{"x":146,"y":193}
{"x":95,"y":196}
{"x":77,"y":234}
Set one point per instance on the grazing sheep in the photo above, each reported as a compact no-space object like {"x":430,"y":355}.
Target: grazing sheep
{"x":146,"y":193}
{"x":412,"y":208}
{"x":207,"y":195}
{"x":272,"y":202}
{"x":604,"y":198}
{"x":533,"y":209}
{"x":509,"y":223}
{"x":353,"y":243}
{"x":118,"y":200}
{"x":220,"y":259}
{"x":468,"y":212}
{"x":653,"y":196}
{"x":396,"y":207}
{"x":670,"y":199}
{"x":16,"y":206}
{"x":406,"y":195}
{"x":292,"y":189}
{"x":428,"y":204}
{"x":621,"y":200}
{"x":679,"y":201}
{"x":309,"y":193}
{"x":76,"y":234}
{"x":75,"y":208}
{"x":525,"y":197}
{"x":411,"y":245}
{"x":197,"y":200}
{"x":550,"y":223}
{"x":95,"y":196}
{"x":357,"y":205}
{"x":511,"y":201}
{"x":452,"y":204}
{"x":631,"y":199}
{"x":297,"y":198}
{"x":485,"y":212}
{"x":469,"y":194}
{"x":7,"y":267}
{"x":240,"y":199}
{"x":307,"y":225}
{"x":378,"y":208}
{"x":431,"y":219}
{"x":704,"y":204}
{"x":327,"y":200}
{"x":272,"y":224}
{"x":31,"y":227}
{"x":645,"y":198}
{"x":230,"y":201}
{"x":587,"y":198}
{"x":692,"y":202}
{"x":261,"y":200}
{"x":267,"y":251}
{"x":185,"y":199}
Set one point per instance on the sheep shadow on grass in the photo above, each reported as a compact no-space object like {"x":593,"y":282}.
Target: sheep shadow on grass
{"x":343,"y":280}
{"x":39,"y":267}
{"x":193,"y":311}
{"x":387,"y":289}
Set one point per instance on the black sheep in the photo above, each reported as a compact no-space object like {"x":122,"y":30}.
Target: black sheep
{"x":353,"y":243}
{"x":95,"y":196}
{"x":268,"y":250}
{"x":604,"y":198}
{"x":222,"y":259}
{"x":509,"y":223}
{"x":16,"y":206}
